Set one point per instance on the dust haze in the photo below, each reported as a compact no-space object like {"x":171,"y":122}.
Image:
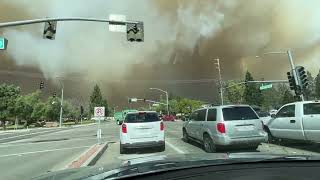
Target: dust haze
{"x":182,"y":37}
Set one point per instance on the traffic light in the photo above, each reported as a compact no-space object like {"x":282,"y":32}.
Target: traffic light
{"x":302,"y":77}
{"x":54,"y":94}
{"x":50,"y":29}
{"x":144,"y":100}
{"x":135,"y":32}
{"x":129,"y":100}
{"x":41,"y":85}
{"x":292,"y":82}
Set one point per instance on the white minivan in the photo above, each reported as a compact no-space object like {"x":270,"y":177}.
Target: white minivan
{"x":140,"y":130}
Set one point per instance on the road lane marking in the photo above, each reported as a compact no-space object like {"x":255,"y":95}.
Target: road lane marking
{"x":6,"y":145}
{"x":175,"y":148}
{"x":42,"y":151}
{"x":25,"y":135}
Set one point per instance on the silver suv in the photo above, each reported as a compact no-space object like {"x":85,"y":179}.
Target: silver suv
{"x":228,"y":125}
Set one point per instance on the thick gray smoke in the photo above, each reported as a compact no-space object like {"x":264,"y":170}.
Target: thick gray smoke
{"x":181,"y":38}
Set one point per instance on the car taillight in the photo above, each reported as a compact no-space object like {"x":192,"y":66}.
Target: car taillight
{"x":124,"y":128}
{"x":161,"y":126}
{"x":221,"y":128}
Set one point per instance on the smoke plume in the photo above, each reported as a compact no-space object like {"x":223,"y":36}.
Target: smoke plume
{"x":182,"y":37}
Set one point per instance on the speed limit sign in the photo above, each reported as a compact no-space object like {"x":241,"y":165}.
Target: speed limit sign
{"x":99,"y":111}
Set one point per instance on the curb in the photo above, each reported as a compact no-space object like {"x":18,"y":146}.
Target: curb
{"x":89,"y":157}
{"x":95,"y":157}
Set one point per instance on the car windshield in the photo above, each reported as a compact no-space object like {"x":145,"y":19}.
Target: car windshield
{"x":311,"y":108}
{"x":86,"y":84}
{"x":141,"y":117}
{"x":238,"y":113}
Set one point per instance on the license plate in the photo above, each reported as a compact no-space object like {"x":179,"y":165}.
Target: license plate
{"x":245,"y":128}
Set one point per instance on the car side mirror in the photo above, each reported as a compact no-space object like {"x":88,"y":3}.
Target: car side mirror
{"x":273,"y":116}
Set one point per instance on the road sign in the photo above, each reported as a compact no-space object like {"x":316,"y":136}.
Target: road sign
{"x":3,"y":43}
{"x":117,"y":27}
{"x":99,"y":111}
{"x":268,"y":86}
{"x":134,"y":100}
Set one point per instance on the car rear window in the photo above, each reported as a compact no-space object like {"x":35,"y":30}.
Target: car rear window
{"x":238,"y":113}
{"x":142,"y":117}
{"x":311,"y":108}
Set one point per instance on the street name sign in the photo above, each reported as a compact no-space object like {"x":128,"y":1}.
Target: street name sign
{"x":268,"y":86}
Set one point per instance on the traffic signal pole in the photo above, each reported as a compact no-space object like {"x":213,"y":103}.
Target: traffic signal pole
{"x":36,"y":21}
{"x":294,"y":72}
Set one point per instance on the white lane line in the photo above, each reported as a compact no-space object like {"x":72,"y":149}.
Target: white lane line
{"x":25,"y":135}
{"x":42,"y":151}
{"x":6,"y":145}
{"x":175,"y":148}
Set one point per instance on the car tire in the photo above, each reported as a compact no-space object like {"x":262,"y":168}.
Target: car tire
{"x":122,"y":150}
{"x":185,"y":135}
{"x":208,"y":144}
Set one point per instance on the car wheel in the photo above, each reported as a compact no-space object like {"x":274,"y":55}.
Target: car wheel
{"x":185,"y":135}
{"x":122,"y":149}
{"x":208,"y":144}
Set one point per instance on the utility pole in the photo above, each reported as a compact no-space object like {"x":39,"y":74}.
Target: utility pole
{"x":61,"y":104}
{"x":220,"y":79}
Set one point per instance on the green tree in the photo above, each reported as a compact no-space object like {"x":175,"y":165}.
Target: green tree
{"x":38,"y":111}
{"x":252,"y":94}
{"x":286,"y":95}
{"x":271,"y":98}
{"x":8,"y":96}
{"x":317,"y":86}
{"x":311,"y":89}
{"x":235,"y":92}
{"x":96,"y":100}
{"x":25,"y":105}
{"x":52,"y":109}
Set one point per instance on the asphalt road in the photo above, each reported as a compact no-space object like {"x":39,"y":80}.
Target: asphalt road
{"x":175,"y":145}
{"x":52,"y":151}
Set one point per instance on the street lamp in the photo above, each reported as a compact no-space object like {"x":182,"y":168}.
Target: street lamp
{"x":289,"y":54}
{"x":167,"y":95}
{"x":220,"y":78}
{"x":61,"y":105}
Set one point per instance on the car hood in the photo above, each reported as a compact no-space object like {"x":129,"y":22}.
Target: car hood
{"x":165,"y":161}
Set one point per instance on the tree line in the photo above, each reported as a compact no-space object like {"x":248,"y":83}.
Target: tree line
{"x":32,"y":108}
{"x":248,"y":93}
{"x":271,"y":98}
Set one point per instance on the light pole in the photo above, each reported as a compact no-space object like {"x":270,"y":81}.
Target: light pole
{"x":61,"y":103}
{"x":289,"y":54}
{"x":220,"y":78}
{"x":167,"y":95}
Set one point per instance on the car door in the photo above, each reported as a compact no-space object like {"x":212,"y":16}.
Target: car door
{"x":311,"y":121}
{"x":191,"y":124}
{"x":211,"y":123}
{"x":198,"y":125}
{"x":285,"y":124}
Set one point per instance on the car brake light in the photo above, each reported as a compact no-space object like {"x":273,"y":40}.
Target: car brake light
{"x":161,"y":126}
{"x":124,"y":128}
{"x":221,"y":128}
